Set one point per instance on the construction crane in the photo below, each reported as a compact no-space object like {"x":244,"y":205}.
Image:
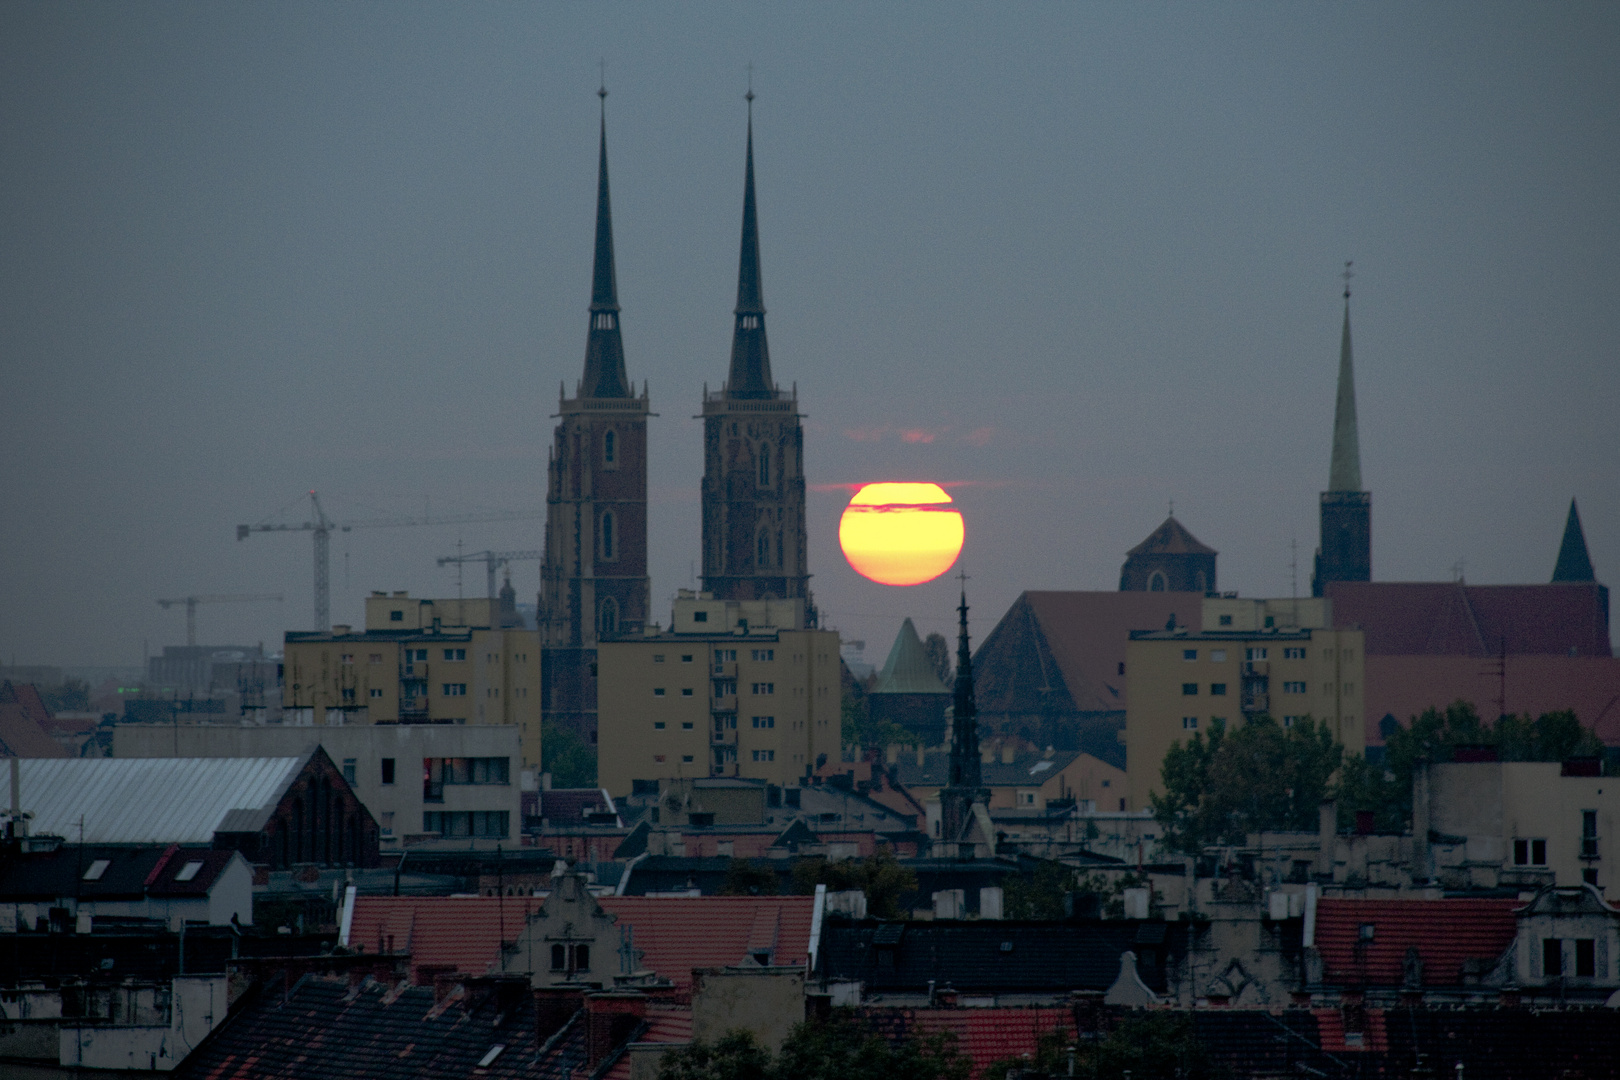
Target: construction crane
{"x":323,"y":527}
{"x":492,"y":560}
{"x":191,"y":603}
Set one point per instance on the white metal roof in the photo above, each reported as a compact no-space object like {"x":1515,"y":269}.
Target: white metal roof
{"x":147,"y":800}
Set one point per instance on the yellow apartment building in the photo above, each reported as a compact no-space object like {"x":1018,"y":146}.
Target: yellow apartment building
{"x":1179,"y":681}
{"x":418,"y":661}
{"x":733,"y":688}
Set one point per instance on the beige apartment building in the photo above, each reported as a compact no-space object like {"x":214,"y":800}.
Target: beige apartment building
{"x":733,"y":688}
{"x":418,"y":661}
{"x":1179,"y":681}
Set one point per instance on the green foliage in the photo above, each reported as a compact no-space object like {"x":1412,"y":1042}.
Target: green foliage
{"x":861,"y":731}
{"x":569,"y":759}
{"x":1258,"y":776}
{"x":745,"y":877}
{"x":1150,"y":1046}
{"x":1432,"y":737}
{"x":938,"y":651}
{"x":880,"y":877}
{"x":72,"y":696}
{"x":1040,"y":895}
{"x":838,"y":1048}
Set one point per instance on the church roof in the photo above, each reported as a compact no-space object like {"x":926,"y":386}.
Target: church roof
{"x":750,"y":375}
{"x":1574,"y":564}
{"x":908,"y":669}
{"x":1344,"y":468}
{"x":604,"y":347}
{"x":1171,"y":538}
{"x":1449,"y":618}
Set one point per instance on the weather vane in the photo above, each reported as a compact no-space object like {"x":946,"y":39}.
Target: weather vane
{"x":1347,"y":275}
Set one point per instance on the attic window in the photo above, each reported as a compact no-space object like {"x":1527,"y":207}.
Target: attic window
{"x":489,"y":1058}
{"x":189,"y":871}
{"x":1006,"y":946}
{"x":97,"y":868}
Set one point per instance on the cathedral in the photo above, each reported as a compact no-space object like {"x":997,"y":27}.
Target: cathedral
{"x":594,"y":584}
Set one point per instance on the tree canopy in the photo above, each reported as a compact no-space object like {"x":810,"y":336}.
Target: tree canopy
{"x":1151,"y":1046}
{"x":569,"y":759}
{"x":879,"y":876}
{"x":840,"y":1047}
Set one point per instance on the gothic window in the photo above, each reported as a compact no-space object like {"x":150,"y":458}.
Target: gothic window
{"x":1203,"y":585}
{"x":610,"y":541}
{"x":764,"y":546}
{"x":764,"y":465}
{"x":610,"y":449}
{"x":779,"y":560}
{"x":609,"y":623}
{"x":1156,"y":582}
{"x":602,"y":321}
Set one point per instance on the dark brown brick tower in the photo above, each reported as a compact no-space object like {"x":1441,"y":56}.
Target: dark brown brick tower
{"x":593,"y":582}
{"x":753,"y":476}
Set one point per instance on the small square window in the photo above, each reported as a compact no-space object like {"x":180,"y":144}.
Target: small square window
{"x":700,"y":616}
{"x":1189,"y":689}
{"x":687,"y":758}
{"x":1226,"y":620}
{"x":658,"y":691}
{"x":658,"y":725}
{"x":686,"y":725}
{"x":686,"y":691}
{"x":375,"y":692}
{"x":1217,"y":656}
{"x":1217,"y":689}
{"x":686,"y":658}
{"x":1190,"y":723}
{"x":1189,"y":654}
{"x":658,"y":758}
{"x":396,"y":616}
{"x":94,"y":871}
{"x":349,"y":766}
{"x":658,"y":658}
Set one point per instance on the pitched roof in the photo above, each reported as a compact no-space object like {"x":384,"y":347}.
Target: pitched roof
{"x":1444,"y":932}
{"x":1171,"y":538}
{"x":23,"y":716}
{"x":567,"y":806}
{"x":129,"y":872}
{"x":673,"y":934}
{"x":665,"y":1024}
{"x":1574,"y":562}
{"x":1453,"y":619}
{"x":321,"y":1029}
{"x":1027,"y":770}
{"x":908,"y":669}
{"x":150,"y":800}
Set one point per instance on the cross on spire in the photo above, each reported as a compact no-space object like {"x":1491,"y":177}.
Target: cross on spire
{"x":1347,"y":275}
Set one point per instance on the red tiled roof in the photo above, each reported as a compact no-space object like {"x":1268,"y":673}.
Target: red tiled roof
{"x":665,"y":1024}
{"x":1453,"y":619}
{"x":1330,"y":1032}
{"x":22,"y":736}
{"x":1445,"y":933}
{"x":985,"y":1035}
{"x":673,"y":934}
{"x":1171,"y":538}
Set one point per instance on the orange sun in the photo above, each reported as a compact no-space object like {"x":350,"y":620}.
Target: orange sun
{"x":900,"y":534}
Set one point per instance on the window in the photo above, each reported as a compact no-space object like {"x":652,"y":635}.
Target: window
{"x":1254,"y":654}
{"x":1589,"y":836}
{"x":418,"y":656}
{"x":349,"y":766}
{"x":559,"y":958}
{"x":1552,"y":956}
{"x":658,"y":758}
{"x":1226,"y":620}
{"x":725,"y":687}
{"x":455,"y":689}
{"x":658,"y":658}
{"x":1293,"y":687}
{"x":582,"y":957}
{"x":764,"y":721}
{"x":608,"y":539}
{"x":96,"y":869}
{"x":764,"y":464}
{"x":700,"y":616}
{"x":764,"y":549}
{"x":375,"y":692}
{"x":764,"y":755}
{"x":725,"y":656}
{"x":1156,"y":582}
{"x":686,"y":658}
{"x":1189,"y":689}
{"x":1294,"y":654}
{"x":686,"y":725}
{"x":347,"y":658}
{"x":658,"y":725}
{"x":439,"y":772}
{"x":1217,"y":656}
{"x":1026,"y":798}
{"x":1585,"y":957}
{"x":1217,"y":689}
{"x":1290,"y":721}
{"x":687,"y":758}
{"x":348,"y":693}
{"x":764,"y":654}
{"x":1190,"y":723}
{"x":764,"y":688}
{"x":454,"y":654}
{"x":1189,"y":654}
{"x":388,"y":823}
{"x":462,"y":823}
{"x":1122,"y":667}
{"x":396,"y":616}
{"x":388,"y":770}
{"x":610,"y":448}
{"x":658,"y":691}
{"x":189,"y":871}
{"x":375,"y":658}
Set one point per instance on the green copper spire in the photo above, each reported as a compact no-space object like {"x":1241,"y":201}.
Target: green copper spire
{"x":604,"y":348}
{"x":1344,"y":472}
{"x":1574,"y":563}
{"x":750,"y":353}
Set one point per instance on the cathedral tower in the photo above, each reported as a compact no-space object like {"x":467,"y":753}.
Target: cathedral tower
{"x":593,"y":582}
{"x":753,"y":477}
{"x":1345,"y":553}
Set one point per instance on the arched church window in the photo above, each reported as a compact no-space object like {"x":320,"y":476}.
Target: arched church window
{"x":609,"y":539}
{"x":1156,"y":582}
{"x":764,"y":550}
{"x":764,"y":464}
{"x":610,"y":448}
{"x":610,"y":618}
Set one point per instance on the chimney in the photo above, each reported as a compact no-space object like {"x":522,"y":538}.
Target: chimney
{"x":554,"y":1006}
{"x":1327,"y":834}
{"x":611,"y":1016}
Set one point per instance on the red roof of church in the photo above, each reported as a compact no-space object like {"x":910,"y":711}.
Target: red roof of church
{"x":1171,"y":538}
{"x":1454,"y":619}
{"x":673,"y":934}
{"x":1444,"y":932}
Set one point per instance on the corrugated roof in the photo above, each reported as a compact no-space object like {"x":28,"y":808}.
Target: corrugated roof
{"x":908,"y":669}
{"x":1444,"y":932}
{"x":148,"y":800}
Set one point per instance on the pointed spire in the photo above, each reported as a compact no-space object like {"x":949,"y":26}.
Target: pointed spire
{"x":965,"y":711}
{"x":1344,"y":471}
{"x":604,"y":348}
{"x":1574,"y":563}
{"x":750,"y":353}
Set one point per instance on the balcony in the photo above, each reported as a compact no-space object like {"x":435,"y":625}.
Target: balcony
{"x":1256,"y":669}
{"x":1256,"y":703}
{"x":725,"y":669}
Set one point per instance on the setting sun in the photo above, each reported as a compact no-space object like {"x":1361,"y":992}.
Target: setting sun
{"x":900,"y":534}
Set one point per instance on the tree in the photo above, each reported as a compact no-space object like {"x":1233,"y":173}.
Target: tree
{"x":745,"y":877}
{"x":938,"y":651}
{"x":880,"y":877}
{"x":840,"y":1047}
{"x":1256,"y":777}
{"x":861,"y":731}
{"x":568,"y":758}
{"x":1148,"y":1047}
{"x":734,"y":1056}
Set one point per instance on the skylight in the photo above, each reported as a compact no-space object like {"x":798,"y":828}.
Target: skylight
{"x":494,"y":1052}
{"x":1039,"y":766}
{"x":97,"y":868}
{"x":188,"y":871}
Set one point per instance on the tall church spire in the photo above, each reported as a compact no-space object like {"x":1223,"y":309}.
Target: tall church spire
{"x":965,"y":711}
{"x":604,"y":349}
{"x":1574,"y":563}
{"x":750,"y":354}
{"x":1344,"y":471}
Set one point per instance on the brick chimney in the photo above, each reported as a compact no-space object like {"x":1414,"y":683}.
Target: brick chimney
{"x":611,"y":1017}
{"x":554,"y":1006}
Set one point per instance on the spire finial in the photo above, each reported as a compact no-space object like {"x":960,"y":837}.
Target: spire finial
{"x":749,"y":97}
{"x":1172,"y":508}
{"x":1347,"y":275}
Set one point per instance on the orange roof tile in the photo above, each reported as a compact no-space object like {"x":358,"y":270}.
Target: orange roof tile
{"x":1444,"y":932}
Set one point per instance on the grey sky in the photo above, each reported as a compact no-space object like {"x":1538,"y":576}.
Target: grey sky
{"x":1085,"y":255}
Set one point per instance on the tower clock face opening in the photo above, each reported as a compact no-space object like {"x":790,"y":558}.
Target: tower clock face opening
{"x":901,"y":533}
